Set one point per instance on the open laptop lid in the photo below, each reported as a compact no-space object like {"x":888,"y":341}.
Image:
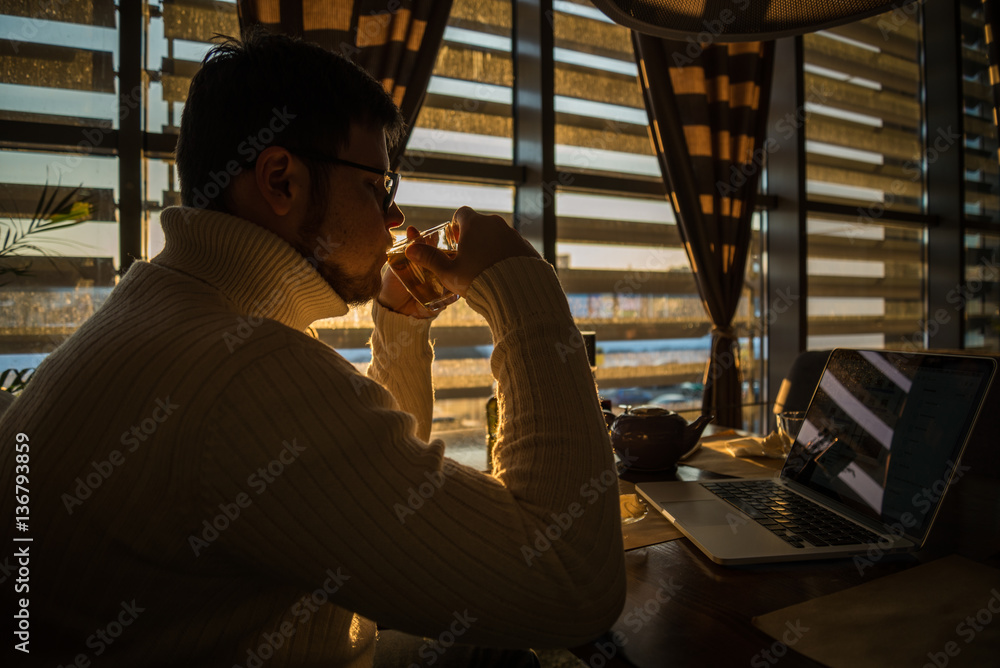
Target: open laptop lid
{"x":884,"y":431}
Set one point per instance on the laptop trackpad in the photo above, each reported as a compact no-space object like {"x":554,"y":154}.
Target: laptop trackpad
{"x":701,"y":513}
{"x":726,"y":535}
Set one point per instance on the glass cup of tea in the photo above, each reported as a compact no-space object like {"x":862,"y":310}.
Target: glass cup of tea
{"x":789,"y":424}
{"x":419,"y":282}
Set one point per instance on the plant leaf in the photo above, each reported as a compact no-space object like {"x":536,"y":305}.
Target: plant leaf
{"x":52,"y":210}
{"x":38,"y":208}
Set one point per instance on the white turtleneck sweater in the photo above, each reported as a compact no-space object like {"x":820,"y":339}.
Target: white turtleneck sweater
{"x":211,"y":486}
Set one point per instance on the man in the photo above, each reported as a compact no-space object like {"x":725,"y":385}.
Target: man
{"x":211,"y":486}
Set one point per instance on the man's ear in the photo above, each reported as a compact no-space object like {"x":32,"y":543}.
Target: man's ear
{"x":274,"y":194}
{"x":281,"y":180}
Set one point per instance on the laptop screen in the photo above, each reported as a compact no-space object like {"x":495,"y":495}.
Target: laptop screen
{"x":884,"y":430}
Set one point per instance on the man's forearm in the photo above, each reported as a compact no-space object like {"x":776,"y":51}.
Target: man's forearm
{"x":401,"y":362}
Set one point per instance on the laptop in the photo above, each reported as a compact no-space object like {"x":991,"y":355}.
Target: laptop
{"x":881,"y":442}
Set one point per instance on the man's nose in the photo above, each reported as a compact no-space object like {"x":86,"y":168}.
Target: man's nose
{"x":394,"y":216}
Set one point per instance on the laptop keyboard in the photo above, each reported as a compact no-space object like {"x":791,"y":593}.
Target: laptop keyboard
{"x":793,"y":518}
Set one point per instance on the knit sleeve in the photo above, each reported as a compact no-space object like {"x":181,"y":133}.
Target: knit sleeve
{"x":332,"y":478}
{"x":401,"y":362}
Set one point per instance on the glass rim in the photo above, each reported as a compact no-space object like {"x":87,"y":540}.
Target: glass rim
{"x":440,"y":227}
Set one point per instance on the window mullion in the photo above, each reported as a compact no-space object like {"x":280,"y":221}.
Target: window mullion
{"x":534,"y":124}
{"x":945,"y":173}
{"x":786,"y":276}
{"x":131,"y":96}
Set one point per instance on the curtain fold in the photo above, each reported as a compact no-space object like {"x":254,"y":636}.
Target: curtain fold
{"x":396,"y":41}
{"x":707,"y":109}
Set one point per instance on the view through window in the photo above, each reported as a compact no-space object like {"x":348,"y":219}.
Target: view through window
{"x":57,"y":69}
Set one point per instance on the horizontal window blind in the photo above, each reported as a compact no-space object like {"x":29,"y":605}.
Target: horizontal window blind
{"x":94,"y":242}
{"x":467,"y":111}
{"x":620,"y":257}
{"x":981,"y":292}
{"x":58,"y":65}
{"x":601,"y":122}
{"x":180,"y":34}
{"x":865,"y":150}
{"x":982,"y":170}
{"x":866,"y":284}
{"x":57,"y":62}
{"x":863,"y":115}
{"x":628,"y":279}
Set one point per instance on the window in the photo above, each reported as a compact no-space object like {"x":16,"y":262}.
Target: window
{"x":61,"y":113}
{"x":619,"y":254}
{"x":865,"y":284}
{"x":467,"y":111}
{"x":981,"y":293}
{"x":865,"y":184}
{"x":63,"y":121}
{"x":982,"y":171}
{"x":178,"y":36}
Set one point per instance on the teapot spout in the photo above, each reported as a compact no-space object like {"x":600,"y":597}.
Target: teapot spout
{"x":693,"y":431}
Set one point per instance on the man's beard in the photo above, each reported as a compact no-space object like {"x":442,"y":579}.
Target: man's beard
{"x":355,"y":290}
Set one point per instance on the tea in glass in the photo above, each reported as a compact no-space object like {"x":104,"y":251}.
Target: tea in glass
{"x":421,"y":283}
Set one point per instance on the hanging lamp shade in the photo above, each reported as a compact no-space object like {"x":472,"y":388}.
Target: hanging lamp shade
{"x":741,"y":20}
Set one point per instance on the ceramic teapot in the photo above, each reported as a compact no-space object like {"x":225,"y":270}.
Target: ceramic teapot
{"x":653,"y":438}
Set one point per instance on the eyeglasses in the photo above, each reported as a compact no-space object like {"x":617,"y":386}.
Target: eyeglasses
{"x":391,"y":178}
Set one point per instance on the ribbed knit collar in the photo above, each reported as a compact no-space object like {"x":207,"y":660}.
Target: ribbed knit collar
{"x":253,"y":267}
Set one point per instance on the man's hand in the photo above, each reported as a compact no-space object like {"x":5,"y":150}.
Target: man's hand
{"x":482,"y":242}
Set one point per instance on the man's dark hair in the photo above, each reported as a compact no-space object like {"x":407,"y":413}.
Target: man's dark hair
{"x":272,"y":90}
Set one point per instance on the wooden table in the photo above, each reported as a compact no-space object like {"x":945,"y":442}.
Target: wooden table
{"x":684,"y":610}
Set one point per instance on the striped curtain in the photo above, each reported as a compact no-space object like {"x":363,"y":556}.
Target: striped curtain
{"x":708,"y":112}
{"x":397,"y":41}
{"x":991,"y":14}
